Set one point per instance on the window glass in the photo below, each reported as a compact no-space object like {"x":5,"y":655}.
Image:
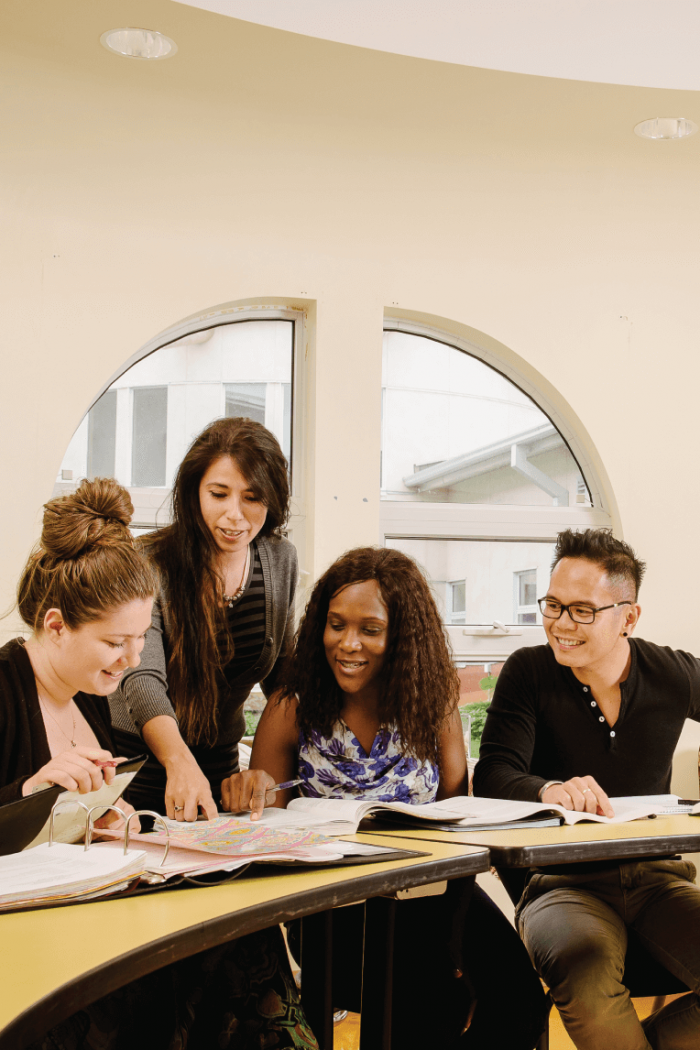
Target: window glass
{"x":140,"y":429}
{"x":455,"y":430}
{"x":479,"y":575}
{"x":148,"y":444}
{"x":102,"y":435}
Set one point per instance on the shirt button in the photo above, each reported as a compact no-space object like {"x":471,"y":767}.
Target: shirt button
{"x":270,"y":641}
{"x":601,"y":719}
{"x":593,"y":703}
{"x":585,"y":688}
{"x":612,"y":732}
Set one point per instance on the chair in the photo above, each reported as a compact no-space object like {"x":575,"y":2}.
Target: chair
{"x":644,"y":975}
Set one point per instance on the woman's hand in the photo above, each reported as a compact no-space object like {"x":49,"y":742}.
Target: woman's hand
{"x":187,"y":788}
{"x":248,"y":790}
{"x":79,"y":769}
{"x":115,"y":823}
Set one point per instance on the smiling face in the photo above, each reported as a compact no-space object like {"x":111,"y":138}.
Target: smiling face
{"x":230,"y":509}
{"x":93,"y":657}
{"x":355,"y":638}
{"x":589,"y":647}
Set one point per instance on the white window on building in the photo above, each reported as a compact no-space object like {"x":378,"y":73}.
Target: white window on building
{"x":149,"y":435}
{"x":140,"y":428}
{"x":102,"y":436}
{"x":457,"y":598}
{"x":479,"y":474}
{"x":525,"y":587}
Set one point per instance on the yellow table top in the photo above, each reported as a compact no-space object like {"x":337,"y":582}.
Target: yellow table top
{"x":46,"y":950}
{"x":525,"y":847}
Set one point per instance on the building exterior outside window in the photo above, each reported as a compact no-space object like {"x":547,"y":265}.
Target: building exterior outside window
{"x":140,"y":428}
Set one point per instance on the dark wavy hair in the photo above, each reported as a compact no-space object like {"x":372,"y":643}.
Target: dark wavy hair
{"x":420,"y":683}
{"x":185,"y":553}
{"x":620,"y":563}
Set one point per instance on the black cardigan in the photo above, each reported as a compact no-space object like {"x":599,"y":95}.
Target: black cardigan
{"x":24,"y":747}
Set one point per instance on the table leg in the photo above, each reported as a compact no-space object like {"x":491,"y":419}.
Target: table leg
{"x":377,"y":975}
{"x":316,"y":975}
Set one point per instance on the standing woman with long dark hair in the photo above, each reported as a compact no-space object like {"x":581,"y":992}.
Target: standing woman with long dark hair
{"x":222,"y":620}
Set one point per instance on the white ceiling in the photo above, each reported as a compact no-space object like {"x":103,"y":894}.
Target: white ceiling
{"x":647,"y":43}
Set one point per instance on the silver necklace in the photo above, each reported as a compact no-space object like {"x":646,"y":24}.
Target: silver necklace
{"x":72,"y":741}
{"x":229,"y":599}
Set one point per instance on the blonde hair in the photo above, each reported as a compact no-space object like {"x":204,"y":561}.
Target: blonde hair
{"x":85,"y":563}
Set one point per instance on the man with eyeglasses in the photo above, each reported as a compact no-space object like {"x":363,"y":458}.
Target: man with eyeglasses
{"x":597,"y":713}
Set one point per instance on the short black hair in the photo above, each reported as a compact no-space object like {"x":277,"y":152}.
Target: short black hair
{"x":616,"y":557}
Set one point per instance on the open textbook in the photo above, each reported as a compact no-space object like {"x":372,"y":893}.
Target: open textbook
{"x":343,"y":816}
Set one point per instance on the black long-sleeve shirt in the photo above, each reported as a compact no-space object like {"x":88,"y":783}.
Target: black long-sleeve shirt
{"x":24,"y":746}
{"x":543,"y":724}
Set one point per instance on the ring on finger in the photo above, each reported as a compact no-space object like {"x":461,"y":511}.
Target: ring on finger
{"x":586,"y":791}
{"x":178,"y":809}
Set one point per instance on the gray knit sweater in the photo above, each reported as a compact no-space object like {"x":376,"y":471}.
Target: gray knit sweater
{"x":143,"y":691}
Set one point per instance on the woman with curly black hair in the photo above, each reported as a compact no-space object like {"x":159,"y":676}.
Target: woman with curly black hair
{"x":369,"y":710}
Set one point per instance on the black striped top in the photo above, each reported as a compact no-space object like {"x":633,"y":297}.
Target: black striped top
{"x":246,"y":622}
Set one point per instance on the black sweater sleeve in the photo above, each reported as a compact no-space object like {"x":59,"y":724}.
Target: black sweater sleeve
{"x":508,"y":740}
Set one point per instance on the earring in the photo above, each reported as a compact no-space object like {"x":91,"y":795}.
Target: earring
{"x":624,"y":634}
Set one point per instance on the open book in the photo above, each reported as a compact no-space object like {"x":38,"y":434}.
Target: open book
{"x":343,"y":816}
{"x":230,"y":843}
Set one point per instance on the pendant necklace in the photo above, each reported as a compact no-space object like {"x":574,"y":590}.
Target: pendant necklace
{"x":229,"y":599}
{"x":72,"y":741}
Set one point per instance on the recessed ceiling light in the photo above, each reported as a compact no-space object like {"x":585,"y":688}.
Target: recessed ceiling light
{"x":666,"y":128}
{"x":138,"y":43}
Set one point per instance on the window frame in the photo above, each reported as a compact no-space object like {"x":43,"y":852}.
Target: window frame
{"x":237,"y":314}
{"x":402,"y":519}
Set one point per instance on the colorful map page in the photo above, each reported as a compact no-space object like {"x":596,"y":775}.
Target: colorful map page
{"x":233,"y":837}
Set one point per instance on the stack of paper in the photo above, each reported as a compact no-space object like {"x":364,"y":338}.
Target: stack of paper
{"x":52,"y":874}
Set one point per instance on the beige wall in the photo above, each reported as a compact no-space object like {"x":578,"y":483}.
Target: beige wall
{"x":258,"y":163}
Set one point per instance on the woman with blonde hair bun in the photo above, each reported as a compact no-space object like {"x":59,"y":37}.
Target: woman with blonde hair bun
{"x":86,"y":595}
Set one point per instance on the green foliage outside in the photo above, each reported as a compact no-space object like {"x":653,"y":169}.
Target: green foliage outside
{"x":251,"y":721}
{"x":477,"y":712}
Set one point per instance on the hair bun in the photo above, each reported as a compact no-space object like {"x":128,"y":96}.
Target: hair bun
{"x":97,"y":514}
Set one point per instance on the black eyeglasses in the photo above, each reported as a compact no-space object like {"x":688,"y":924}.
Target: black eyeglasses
{"x":578,"y":613}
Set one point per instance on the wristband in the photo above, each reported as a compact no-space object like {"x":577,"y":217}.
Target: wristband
{"x":548,"y":784}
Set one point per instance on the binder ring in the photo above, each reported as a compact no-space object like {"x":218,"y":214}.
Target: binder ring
{"x":157,"y":816}
{"x":66,"y":802}
{"x":90,"y":824}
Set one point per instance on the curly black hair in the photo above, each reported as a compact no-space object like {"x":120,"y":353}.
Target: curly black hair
{"x":420,"y":683}
{"x":621,"y":564}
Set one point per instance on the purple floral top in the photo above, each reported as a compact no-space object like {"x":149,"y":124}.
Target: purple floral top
{"x":340,"y":767}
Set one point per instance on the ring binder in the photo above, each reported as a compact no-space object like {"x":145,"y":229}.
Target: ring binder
{"x":57,"y":805}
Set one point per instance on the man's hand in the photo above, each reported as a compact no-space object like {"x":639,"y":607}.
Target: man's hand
{"x":248,"y":790}
{"x":583,"y":794}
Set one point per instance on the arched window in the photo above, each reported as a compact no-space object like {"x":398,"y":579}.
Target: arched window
{"x":478,"y":474}
{"x":140,"y":427}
